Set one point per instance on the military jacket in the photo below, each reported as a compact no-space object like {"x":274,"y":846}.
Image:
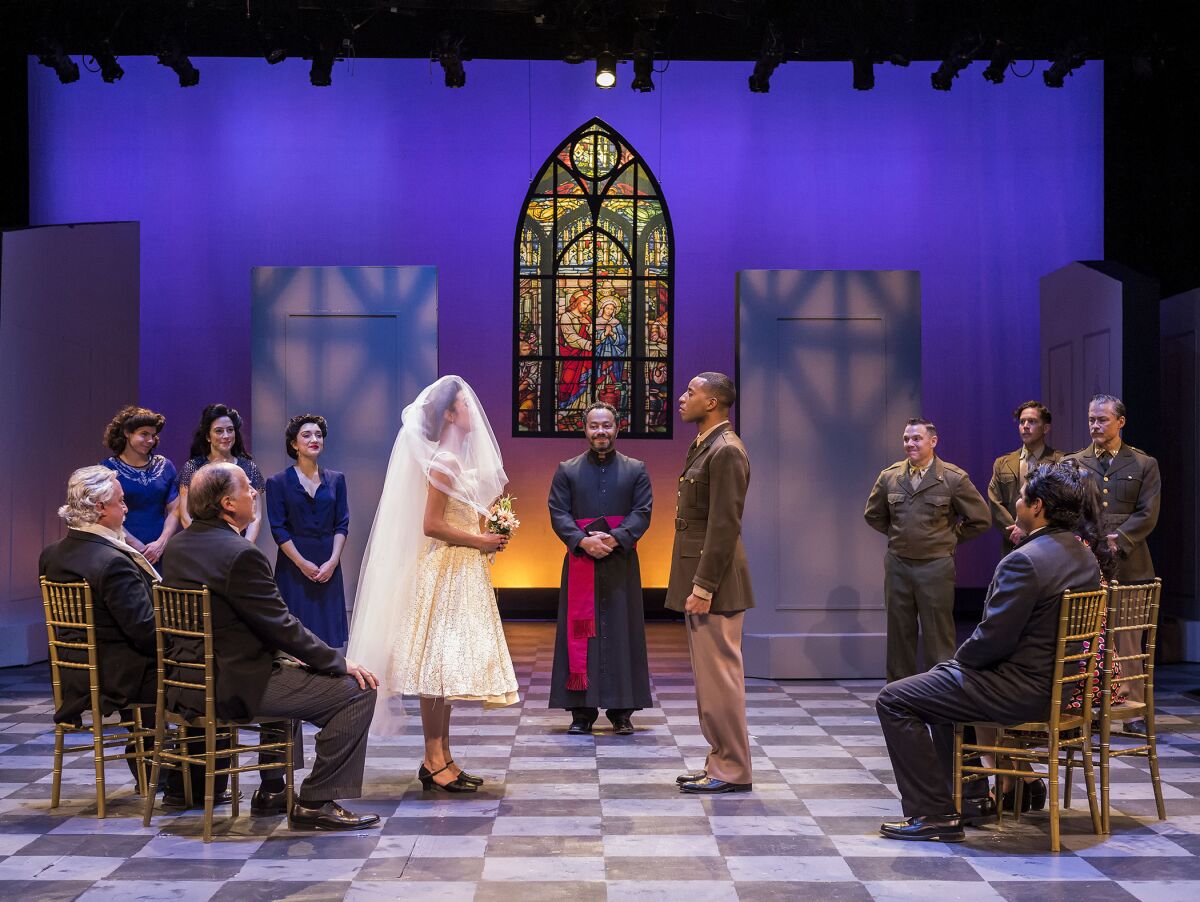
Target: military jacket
{"x":930,"y":521}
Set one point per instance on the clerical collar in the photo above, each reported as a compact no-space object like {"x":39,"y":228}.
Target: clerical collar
{"x":597,"y":459}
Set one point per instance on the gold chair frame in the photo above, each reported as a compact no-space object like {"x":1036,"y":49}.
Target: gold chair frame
{"x":187,"y":614}
{"x":1132,"y":607}
{"x":69,"y":606}
{"x":1048,"y":742}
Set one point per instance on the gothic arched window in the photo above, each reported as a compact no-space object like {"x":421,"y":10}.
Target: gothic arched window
{"x":594,"y":288}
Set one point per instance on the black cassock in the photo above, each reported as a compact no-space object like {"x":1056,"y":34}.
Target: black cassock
{"x":586,"y":488}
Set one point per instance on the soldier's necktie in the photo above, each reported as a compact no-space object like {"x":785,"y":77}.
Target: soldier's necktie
{"x":1105,"y":461}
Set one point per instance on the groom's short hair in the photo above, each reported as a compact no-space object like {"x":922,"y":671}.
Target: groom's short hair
{"x":720,"y":388}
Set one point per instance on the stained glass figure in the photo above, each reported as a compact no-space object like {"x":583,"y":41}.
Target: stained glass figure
{"x":594,"y":288}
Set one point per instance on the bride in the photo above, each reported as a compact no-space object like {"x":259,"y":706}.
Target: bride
{"x":425,"y":616}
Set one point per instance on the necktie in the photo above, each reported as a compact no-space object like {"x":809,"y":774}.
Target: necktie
{"x":1105,"y":461}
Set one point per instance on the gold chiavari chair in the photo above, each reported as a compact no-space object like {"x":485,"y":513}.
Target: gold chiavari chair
{"x":68,"y":609}
{"x":183,"y":627}
{"x":1132,"y":609}
{"x":1048,"y":742}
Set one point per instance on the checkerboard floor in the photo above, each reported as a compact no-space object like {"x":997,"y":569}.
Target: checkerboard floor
{"x":599,"y":817}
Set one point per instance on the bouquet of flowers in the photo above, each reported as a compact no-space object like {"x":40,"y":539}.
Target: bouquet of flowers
{"x":501,"y":519}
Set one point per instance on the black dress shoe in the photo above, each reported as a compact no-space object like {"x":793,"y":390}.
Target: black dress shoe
{"x":464,"y":776}
{"x":623,"y":726}
{"x":979,"y":811}
{"x":179,"y":803}
{"x":1033,"y":797}
{"x":691,"y":776}
{"x":1137,"y":727}
{"x":268,"y":804}
{"x":937,"y":828}
{"x":579,"y":727}
{"x":711,"y":786}
{"x":330,"y":816}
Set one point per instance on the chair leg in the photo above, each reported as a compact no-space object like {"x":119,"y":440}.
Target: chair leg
{"x":235,"y":808}
{"x":957,"y":772}
{"x":1105,"y":754}
{"x":1052,"y":793}
{"x":1152,"y":757}
{"x":1070,"y":768}
{"x":155,"y":769}
{"x":139,"y":749}
{"x":186,"y":769}
{"x":98,"y":754}
{"x":56,"y":785}
{"x":1089,"y":782}
{"x":210,"y":764}
{"x":289,"y":774}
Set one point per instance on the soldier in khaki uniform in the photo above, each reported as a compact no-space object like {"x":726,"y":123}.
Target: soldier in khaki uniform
{"x":925,"y":506}
{"x":1010,"y":471}
{"x":1130,"y":489}
{"x":710,"y":581}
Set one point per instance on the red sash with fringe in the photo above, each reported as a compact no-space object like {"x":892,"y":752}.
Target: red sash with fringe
{"x":581,"y":608}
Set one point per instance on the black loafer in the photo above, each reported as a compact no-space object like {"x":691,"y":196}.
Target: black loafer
{"x":979,"y":811}
{"x":579,"y":727}
{"x":623,"y":726}
{"x":330,"y":816}
{"x":179,"y":803}
{"x":1136,"y":727}
{"x":691,"y":776}
{"x":711,"y":785}
{"x":935,"y":828}
{"x":268,"y":804}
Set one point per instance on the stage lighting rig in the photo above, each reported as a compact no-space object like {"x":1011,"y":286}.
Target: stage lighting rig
{"x":959,"y":59}
{"x":643,"y":61}
{"x":864,"y":73}
{"x":64,"y":67}
{"x":606,"y":70}
{"x":270,"y":36}
{"x":997,"y":66}
{"x":110,"y":69}
{"x":1062,"y":66}
{"x":769,"y":59}
{"x":173,"y":57}
{"x":320,"y":73}
{"x":449,"y":53}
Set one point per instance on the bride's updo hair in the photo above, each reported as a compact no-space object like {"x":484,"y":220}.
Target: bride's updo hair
{"x":441,"y":398}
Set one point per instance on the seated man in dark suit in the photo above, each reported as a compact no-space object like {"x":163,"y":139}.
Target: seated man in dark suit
{"x":94,"y":551}
{"x":1003,"y":672}
{"x":252,"y":626}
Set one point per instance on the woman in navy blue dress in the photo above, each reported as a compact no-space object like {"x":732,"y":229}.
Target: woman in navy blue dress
{"x":218,"y":439}
{"x":310,"y":517}
{"x":150,"y":482}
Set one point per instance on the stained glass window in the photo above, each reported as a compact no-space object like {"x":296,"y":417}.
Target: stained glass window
{"x":593,"y":287}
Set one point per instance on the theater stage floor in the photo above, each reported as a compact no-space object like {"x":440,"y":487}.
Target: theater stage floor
{"x":583,"y":818}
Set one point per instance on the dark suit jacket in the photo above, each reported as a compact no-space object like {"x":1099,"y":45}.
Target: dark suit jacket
{"x":1130,"y":491}
{"x":708,"y":548}
{"x":1005,"y":485}
{"x":251,"y":622}
{"x":124,"y":619}
{"x":1008,"y":661}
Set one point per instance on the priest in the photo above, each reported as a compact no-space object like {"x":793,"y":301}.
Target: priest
{"x":600,"y":507}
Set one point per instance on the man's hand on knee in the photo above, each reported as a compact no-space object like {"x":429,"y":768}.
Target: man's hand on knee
{"x":366,"y":679}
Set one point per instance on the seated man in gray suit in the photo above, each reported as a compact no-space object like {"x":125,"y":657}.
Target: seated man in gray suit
{"x":1003,"y":672}
{"x":269,"y":666}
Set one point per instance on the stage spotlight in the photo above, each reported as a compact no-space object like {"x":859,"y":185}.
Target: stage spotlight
{"x":998,"y":65}
{"x":271,"y":40}
{"x":864,"y":73}
{"x":64,"y":67}
{"x":449,"y":54}
{"x":574,"y":48}
{"x":1066,"y":63}
{"x":643,"y":62}
{"x":943,"y":78}
{"x":769,"y":59}
{"x":177,"y":61}
{"x":110,"y":69}
{"x":606,"y":70}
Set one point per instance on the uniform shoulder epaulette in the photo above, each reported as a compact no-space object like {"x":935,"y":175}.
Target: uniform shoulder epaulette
{"x":897,"y":465}
{"x":1132,"y":448}
{"x":954,"y":469}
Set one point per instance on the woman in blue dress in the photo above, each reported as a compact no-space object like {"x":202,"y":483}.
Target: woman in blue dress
{"x":310,"y":517}
{"x":150,"y":482}
{"x":218,"y":439}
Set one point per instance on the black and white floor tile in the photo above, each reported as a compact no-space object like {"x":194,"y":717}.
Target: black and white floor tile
{"x":599,"y":817}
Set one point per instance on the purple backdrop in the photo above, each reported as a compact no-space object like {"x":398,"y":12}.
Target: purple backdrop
{"x":983,"y":190}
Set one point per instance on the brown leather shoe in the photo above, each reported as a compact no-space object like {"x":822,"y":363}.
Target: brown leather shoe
{"x":330,"y":816}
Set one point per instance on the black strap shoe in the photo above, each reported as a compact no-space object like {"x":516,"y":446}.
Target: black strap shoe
{"x":711,"y":786}
{"x":691,"y":776}
{"x":268,"y":804}
{"x":330,"y":816}
{"x":932,"y":828}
